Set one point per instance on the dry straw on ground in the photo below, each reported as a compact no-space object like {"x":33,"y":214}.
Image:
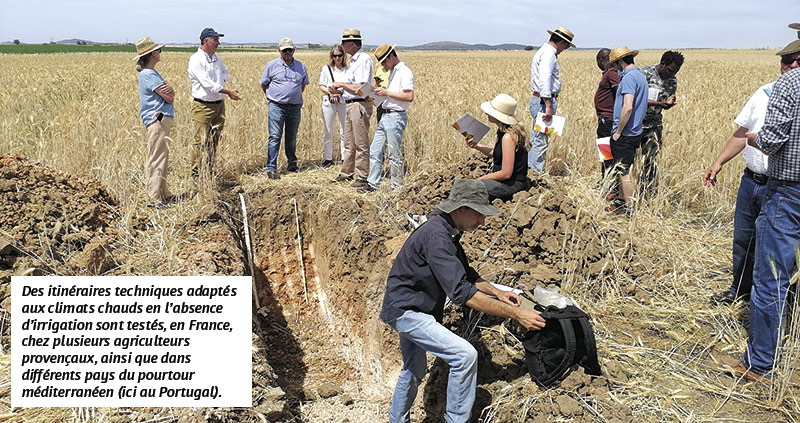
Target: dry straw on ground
{"x":79,"y":113}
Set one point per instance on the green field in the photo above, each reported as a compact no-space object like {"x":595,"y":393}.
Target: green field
{"x":97,"y":48}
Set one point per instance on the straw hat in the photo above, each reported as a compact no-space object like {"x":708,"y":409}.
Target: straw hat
{"x":146,"y":46}
{"x":564,"y":33}
{"x":351,"y":34}
{"x":501,"y":108}
{"x":795,"y":26}
{"x":620,"y":52}
{"x":471,"y":193}
{"x":285,"y":43}
{"x":383,"y":51}
{"x":791,"y":48}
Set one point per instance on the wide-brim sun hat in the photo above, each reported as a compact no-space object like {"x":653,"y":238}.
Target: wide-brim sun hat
{"x":383,"y":50}
{"x":502,"y":108}
{"x":351,"y":34}
{"x":145,"y":46}
{"x":471,"y":193}
{"x":791,"y":48}
{"x":564,"y":34}
{"x":620,"y":52}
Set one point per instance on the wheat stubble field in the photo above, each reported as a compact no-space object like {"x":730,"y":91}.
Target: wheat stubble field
{"x":79,"y":113}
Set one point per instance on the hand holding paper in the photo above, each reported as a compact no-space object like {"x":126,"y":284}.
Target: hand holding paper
{"x":368,"y":92}
{"x":554,"y":127}
{"x":472,"y":129}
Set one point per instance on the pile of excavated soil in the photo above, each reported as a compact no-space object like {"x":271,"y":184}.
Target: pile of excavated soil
{"x":52,"y":223}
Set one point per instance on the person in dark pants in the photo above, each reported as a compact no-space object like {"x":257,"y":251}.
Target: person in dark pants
{"x":509,"y":154}
{"x":604,"y":101}
{"x":430,"y":268}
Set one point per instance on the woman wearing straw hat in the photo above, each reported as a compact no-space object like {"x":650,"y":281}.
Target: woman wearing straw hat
{"x":155,"y":100}
{"x":332,"y":104}
{"x":510,"y":153}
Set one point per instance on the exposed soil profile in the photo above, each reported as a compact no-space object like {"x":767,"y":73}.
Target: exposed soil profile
{"x":320,"y":353}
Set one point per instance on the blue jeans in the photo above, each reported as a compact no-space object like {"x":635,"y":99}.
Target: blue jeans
{"x":777,"y":239}
{"x":749,"y":200}
{"x":280,"y":116}
{"x":419,"y":332}
{"x":538,"y":151}
{"x":389,"y":131}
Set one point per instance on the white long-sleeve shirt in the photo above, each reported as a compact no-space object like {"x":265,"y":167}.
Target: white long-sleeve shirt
{"x":545,"y":78}
{"x":208,"y":76}
{"x":359,"y":72}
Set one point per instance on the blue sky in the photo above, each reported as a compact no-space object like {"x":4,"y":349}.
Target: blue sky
{"x":638,"y":24}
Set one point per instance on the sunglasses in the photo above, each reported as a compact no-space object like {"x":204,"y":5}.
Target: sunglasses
{"x":789,"y":60}
{"x":337,"y":55}
{"x":290,"y":50}
{"x":158,"y":50}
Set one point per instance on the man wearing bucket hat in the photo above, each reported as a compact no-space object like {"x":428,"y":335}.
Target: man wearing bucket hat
{"x":545,"y":87}
{"x":208,"y":76}
{"x":630,"y":105}
{"x":283,"y":81}
{"x":355,"y":163}
{"x":392,"y":125}
{"x":777,"y":230}
{"x":430,"y":268}
{"x":753,"y":186}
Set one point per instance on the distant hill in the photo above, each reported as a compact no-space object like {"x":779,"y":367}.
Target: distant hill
{"x":76,"y":41}
{"x":454,"y":45}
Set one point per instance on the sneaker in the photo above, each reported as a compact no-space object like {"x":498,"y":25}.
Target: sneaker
{"x":159,"y":205}
{"x":291,"y":169}
{"x":359,"y":184}
{"x":327,"y":163}
{"x":342,"y":178}
{"x":738,"y":370}
{"x":273,"y":175}
{"x":366,"y":189}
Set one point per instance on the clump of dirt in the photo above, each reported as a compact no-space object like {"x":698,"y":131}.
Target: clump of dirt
{"x":52,"y":223}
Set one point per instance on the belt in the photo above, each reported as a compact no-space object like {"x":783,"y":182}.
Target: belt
{"x":760,"y":178}
{"x":207,"y":102}
{"x":537,"y":95}
{"x":391,"y":111}
{"x":785,"y":182}
{"x":354,"y":100}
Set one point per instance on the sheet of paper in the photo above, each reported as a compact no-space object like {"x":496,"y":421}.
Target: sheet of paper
{"x":652,"y":94}
{"x":471,"y":128}
{"x":367,"y":91}
{"x":604,"y":148}
{"x":554,"y":127}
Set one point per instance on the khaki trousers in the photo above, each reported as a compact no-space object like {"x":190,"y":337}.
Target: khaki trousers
{"x":157,"y":158}
{"x":356,"y":140}
{"x":209,"y":119}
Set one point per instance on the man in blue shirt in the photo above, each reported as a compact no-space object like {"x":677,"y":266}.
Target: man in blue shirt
{"x":283,"y":81}
{"x":630,"y":105}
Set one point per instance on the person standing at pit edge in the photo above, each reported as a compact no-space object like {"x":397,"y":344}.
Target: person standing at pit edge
{"x":777,"y":231}
{"x":359,"y":112}
{"x":753,"y":186}
{"x":155,"y":100}
{"x":284,"y":80}
{"x":662,"y":83}
{"x":431,"y":267}
{"x":333,"y":107}
{"x":208,"y":76}
{"x":392,"y":125}
{"x":545,"y":87}
{"x":630,"y":105}
{"x":604,"y":101}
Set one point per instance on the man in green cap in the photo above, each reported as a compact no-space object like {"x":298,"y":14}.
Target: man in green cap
{"x":430,"y":268}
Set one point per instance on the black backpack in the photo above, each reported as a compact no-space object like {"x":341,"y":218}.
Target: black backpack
{"x":566,"y":340}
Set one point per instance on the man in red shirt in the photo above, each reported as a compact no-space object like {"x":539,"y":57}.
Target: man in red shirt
{"x":604,"y":100}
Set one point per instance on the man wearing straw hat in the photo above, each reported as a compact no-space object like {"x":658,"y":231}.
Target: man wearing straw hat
{"x":356,"y":133}
{"x":430,"y":268}
{"x":208,"y":76}
{"x":753,"y":186}
{"x":777,"y":232}
{"x":400,"y":93}
{"x":630,"y":105}
{"x":545,"y":87}
{"x":284,"y":80}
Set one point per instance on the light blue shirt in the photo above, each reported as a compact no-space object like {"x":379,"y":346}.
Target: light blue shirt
{"x":633,"y":82}
{"x":284,"y":83}
{"x":150,"y":103}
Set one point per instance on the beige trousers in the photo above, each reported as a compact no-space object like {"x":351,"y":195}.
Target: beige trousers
{"x":157,"y":158}
{"x":356,"y":140}
{"x":209,"y":119}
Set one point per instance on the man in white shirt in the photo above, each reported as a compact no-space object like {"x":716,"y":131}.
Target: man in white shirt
{"x":545,"y":86}
{"x":392,"y":124}
{"x":359,"y":111}
{"x":753,"y":186}
{"x":208,"y":76}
